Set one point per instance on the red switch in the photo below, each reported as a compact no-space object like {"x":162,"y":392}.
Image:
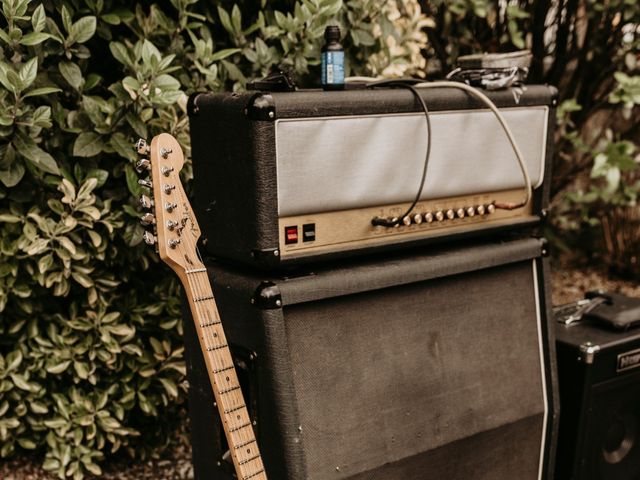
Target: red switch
{"x":291,"y":235}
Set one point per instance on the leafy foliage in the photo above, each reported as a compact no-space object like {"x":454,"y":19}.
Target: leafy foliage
{"x":589,"y":50}
{"x":90,"y":339}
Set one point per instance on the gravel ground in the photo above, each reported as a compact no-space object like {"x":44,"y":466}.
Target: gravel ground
{"x":175,"y":463}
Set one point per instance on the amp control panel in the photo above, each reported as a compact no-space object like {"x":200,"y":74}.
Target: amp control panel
{"x":327,"y":232}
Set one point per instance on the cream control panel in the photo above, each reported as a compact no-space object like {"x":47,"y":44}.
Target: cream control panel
{"x":325,"y":232}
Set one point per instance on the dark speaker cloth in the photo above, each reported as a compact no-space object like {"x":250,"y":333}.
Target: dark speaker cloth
{"x":385,"y":375}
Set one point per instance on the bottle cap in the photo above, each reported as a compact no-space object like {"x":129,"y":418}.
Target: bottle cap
{"x":332,"y":33}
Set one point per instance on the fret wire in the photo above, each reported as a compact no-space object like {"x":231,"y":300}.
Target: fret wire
{"x":255,"y":474}
{"x":249,"y":460}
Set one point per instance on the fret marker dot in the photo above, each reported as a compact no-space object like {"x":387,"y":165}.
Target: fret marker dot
{"x":227,"y":379}
{"x":248,"y":450}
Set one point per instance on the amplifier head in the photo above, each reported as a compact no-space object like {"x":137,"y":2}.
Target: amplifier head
{"x":283,"y":178}
{"x":387,"y":370}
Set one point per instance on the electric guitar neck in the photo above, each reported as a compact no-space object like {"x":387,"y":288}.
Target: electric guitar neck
{"x":176,"y":234}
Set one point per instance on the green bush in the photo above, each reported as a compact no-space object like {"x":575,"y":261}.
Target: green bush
{"x":590,"y":51}
{"x":90,"y":337}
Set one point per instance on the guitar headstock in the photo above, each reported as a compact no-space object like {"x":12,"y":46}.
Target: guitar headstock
{"x":171,"y":222}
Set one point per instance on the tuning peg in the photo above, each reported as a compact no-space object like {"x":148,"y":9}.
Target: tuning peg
{"x":149,"y":238}
{"x":145,"y":183}
{"x":142,"y":147}
{"x":148,"y":219}
{"x":146,"y":202}
{"x":165,"y":152}
{"x":142,"y":165}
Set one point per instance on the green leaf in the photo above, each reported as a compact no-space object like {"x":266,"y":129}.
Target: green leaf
{"x":111,"y":18}
{"x":20,"y":382}
{"x":82,"y":279}
{"x":51,"y":464}
{"x":58,"y":368}
{"x":227,"y":52}
{"x":34,"y":38}
{"x":236,"y":19}
{"x":28,"y":72}
{"x":170,"y":387}
{"x":12,"y":176}
{"x":132,"y":86}
{"x":15,"y":82}
{"x":72,"y":74}
{"x":26,"y":443}
{"x":45,"y":263}
{"x":8,"y":218}
{"x":225,"y":20}
{"x":82,"y":30}
{"x":121,"y":54}
{"x":41,"y":91}
{"x":83,"y":372}
{"x":66,"y":18}
{"x":149,"y":50}
{"x":67,"y":244}
{"x":88,"y":144}
{"x":166,"y":82}
{"x":56,"y":423}
{"x":13,"y":360}
{"x":132,"y":181}
{"x":123,"y":146}
{"x":38,"y":18}
{"x":138,"y":125}
{"x":41,"y":159}
{"x":100,"y":176}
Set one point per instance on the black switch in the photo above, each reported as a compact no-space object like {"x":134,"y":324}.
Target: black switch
{"x":308,"y":232}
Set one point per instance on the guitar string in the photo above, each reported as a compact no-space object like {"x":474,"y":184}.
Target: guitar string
{"x":244,"y":434}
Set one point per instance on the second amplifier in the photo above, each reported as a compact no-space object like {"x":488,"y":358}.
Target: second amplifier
{"x":282,"y":178}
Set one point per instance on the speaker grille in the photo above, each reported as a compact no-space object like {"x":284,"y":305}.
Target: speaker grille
{"x":615,"y":445}
{"x":398,"y":379}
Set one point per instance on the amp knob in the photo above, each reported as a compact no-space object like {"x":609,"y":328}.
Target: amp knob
{"x":460,"y":213}
{"x":417,"y":219}
{"x":451,"y":214}
{"x":439,"y":215}
{"x":491,"y":208}
{"x":471,"y":212}
{"x":428,"y":217}
{"x":480,"y":209}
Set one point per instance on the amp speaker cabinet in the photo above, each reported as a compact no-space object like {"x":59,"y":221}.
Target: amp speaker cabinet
{"x":600,"y":398}
{"x":412,"y":367}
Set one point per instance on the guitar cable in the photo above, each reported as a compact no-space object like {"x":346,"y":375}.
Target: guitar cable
{"x":413,"y":85}
{"x":384,"y":222}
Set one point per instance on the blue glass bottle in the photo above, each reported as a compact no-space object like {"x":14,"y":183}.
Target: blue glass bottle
{"x":332,"y":60}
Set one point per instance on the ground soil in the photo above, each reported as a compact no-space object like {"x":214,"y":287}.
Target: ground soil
{"x":568,"y":284}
